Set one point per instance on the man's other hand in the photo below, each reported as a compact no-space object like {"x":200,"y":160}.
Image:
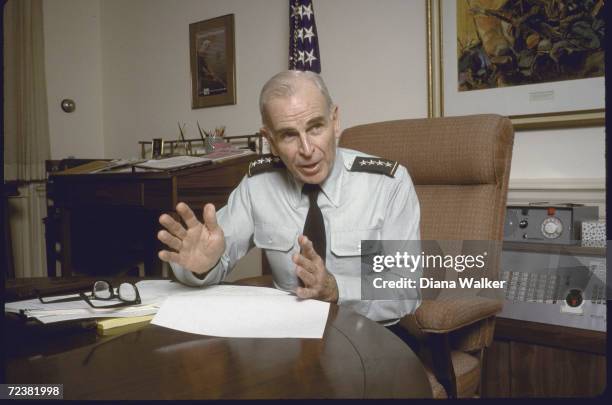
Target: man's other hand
{"x":198,"y":247}
{"x":318,"y":282}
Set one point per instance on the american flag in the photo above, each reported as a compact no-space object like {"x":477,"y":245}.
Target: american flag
{"x":303,"y":41}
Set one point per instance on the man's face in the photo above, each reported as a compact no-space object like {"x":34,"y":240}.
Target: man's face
{"x":303,"y":132}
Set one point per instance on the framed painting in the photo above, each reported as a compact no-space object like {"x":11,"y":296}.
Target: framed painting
{"x":213,"y":69}
{"x":539,"y":63}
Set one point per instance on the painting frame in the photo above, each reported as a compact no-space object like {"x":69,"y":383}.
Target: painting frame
{"x":524,"y":114}
{"x":212,"y":54}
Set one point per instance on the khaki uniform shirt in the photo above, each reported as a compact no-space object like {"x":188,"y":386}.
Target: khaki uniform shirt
{"x":268,"y":211}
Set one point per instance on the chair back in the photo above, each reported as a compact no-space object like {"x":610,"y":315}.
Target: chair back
{"x":460,"y":167}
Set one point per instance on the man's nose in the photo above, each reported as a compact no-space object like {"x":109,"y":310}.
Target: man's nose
{"x":305,"y":147}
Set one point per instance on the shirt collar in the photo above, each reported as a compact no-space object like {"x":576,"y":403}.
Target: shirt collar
{"x":331,"y":186}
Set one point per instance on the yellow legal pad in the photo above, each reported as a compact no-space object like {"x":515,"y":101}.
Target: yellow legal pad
{"x":112,"y":326}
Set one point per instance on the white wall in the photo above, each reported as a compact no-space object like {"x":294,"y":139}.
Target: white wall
{"x":147,"y":83}
{"x":126,"y":63}
{"x":73,"y":70}
{"x":559,"y":166}
{"x":373,"y":57}
{"x":576,"y":153}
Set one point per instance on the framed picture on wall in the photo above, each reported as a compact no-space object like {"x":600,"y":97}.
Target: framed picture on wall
{"x":539,"y":63}
{"x":213,"y":69}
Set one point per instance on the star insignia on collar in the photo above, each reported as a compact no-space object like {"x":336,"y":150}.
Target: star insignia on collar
{"x":265,"y":163}
{"x":374,"y":165}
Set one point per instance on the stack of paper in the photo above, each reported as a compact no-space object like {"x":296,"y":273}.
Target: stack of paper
{"x":222,"y":310}
{"x":152,"y":295}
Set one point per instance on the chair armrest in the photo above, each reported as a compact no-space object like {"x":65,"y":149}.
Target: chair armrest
{"x":447,"y":315}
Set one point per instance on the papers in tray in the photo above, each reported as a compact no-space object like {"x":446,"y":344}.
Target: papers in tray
{"x":227,"y":154}
{"x":176,"y":162}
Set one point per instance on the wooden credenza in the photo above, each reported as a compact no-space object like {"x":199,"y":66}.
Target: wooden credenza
{"x":107,"y":223}
{"x":530,"y":359}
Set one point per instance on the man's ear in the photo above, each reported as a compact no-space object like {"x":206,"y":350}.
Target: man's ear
{"x":266,"y":134}
{"x":336,"y":122}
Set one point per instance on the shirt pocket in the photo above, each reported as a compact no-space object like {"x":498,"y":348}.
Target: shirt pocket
{"x":278,"y":243}
{"x":348,"y":242}
{"x":274,"y":237}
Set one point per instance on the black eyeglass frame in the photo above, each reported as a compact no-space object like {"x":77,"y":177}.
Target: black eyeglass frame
{"x":87,"y":299}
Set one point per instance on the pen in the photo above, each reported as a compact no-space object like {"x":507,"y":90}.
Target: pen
{"x":200,"y":130}
{"x":181,"y":130}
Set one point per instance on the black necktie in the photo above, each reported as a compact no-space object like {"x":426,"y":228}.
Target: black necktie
{"x":314,"y":227}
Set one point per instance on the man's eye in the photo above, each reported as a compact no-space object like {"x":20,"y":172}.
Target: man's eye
{"x":287,"y":137}
{"x":315,"y":129}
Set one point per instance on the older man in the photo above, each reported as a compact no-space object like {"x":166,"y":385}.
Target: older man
{"x":308,"y":206}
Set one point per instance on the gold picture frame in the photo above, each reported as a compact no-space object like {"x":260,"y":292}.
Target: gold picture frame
{"x":213,"y":62}
{"x":438,"y":83}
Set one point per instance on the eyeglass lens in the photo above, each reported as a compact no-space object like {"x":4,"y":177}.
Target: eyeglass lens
{"x":127,"y":292}
{"x":102,"y":290}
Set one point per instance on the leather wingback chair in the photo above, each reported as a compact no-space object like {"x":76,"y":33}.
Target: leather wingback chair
{"x":460,"y":168}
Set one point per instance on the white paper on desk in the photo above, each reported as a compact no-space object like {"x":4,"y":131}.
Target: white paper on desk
{"x":244,"y":312}
{"x":157,"y":290}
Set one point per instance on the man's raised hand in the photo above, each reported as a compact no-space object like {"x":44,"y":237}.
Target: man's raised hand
{"x":318,"y":282}
{"x":196,"y":248}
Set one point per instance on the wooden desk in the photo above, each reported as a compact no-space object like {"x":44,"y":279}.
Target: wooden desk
{"x":356,"y":358}
{"x":105,"y":222}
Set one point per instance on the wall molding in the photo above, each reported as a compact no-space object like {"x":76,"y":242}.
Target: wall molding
{"x":558,"y":184}
{"x":588,"y":191}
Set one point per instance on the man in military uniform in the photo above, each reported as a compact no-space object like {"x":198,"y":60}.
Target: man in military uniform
{"x":308,"y":206}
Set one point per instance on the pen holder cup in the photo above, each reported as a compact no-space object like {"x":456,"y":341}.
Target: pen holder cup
{"x":210,"y":142}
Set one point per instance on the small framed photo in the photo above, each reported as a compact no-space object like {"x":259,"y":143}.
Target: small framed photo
{"x":158,"y":148}
{"x":213,"y":69}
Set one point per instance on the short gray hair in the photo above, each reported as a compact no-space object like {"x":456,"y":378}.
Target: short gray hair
{"x":283,"y":84}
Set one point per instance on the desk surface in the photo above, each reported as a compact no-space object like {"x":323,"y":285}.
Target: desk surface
{"x":356,"y":358}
